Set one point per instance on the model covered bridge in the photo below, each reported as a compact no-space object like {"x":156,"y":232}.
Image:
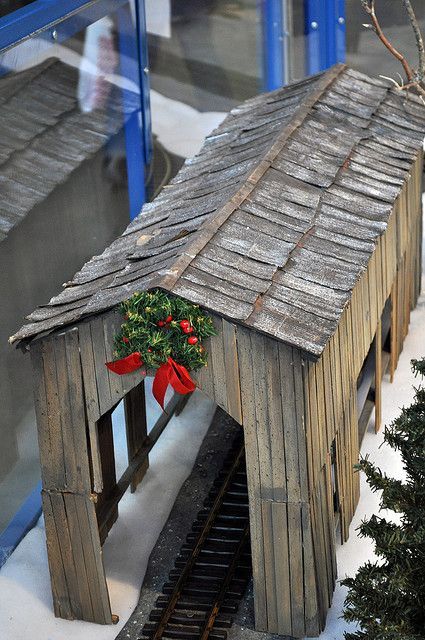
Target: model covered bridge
{"x":298,"y":228}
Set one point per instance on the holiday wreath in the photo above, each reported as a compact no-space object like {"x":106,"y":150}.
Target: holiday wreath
{"x":165,"y":333}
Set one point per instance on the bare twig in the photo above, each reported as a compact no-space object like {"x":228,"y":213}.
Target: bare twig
{"x":414,"y":78}
{"x":418,"y":36}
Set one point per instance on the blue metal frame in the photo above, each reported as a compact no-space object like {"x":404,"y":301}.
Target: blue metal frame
{"x":41,"y":17}
{"x":134,"y":122}
{"x":273,"y":62}
{"x":23,"y":520}
{"x":67,"y":17}
{"x":325,"y":31}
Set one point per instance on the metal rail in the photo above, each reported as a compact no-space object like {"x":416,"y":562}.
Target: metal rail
{"x":215,"y":558}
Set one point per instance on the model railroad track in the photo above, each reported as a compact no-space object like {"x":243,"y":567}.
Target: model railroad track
{"x":213,"y":567}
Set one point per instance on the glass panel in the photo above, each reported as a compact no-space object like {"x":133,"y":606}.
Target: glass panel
{"x":204,"y":58}
{"x":365,"y":52}
{"x":8,"y":6}
{"x":64,"y":111}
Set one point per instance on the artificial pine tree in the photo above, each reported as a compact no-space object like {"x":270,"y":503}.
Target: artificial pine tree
{"x":387,"y":598}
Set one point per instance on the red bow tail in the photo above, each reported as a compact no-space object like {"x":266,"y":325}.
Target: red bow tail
{"x":174,"y":374}
{"x":126,"y":365}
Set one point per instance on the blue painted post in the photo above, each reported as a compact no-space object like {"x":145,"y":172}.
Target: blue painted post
{"x":325,"y":31}
{"x":340,"y":31}
{"x":134,"y":121}
{"x":273,"y":63}
{"x":142,"y":47}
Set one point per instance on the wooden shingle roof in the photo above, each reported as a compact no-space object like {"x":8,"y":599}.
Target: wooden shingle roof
{"x":44,"y":136}
{"x":272,"y":223}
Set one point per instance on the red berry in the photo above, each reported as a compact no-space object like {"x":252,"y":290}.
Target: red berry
{"x":187,"y":329}
{"x":125,"y":339}
{"x":169,"y":318}
{"x":149,"y":350}
{"x":160,"y":323}
{"x":192,"y":340}
{"x":184,"y":323}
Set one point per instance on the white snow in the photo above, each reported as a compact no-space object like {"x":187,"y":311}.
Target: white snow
{"x":179,"y":127}
{"x":25,"y":597}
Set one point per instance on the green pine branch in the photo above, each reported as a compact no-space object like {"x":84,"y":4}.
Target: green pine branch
{"x":387,"y":597}
{"x":152,"y":327}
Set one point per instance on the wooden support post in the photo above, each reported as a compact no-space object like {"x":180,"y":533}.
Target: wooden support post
{"x":394,"y":330}
{"x":378,"y":377}
{"x":75,"y":558}
{"x":283,"y":556}
{"x":136,"y":427}
{"x":107,"y":458}
{"x":73,"y":543}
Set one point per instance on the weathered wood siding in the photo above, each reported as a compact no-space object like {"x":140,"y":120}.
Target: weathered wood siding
{"x":293,"y":409}
{"x":75,"y":395}
{"x":330,"y":384}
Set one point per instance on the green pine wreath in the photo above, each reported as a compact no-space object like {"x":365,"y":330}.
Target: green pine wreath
{"x":159,"y":326}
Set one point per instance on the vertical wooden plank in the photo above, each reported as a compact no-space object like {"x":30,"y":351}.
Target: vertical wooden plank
{"x":60,"y":593}
{"x":72,"y":476}
{"x":394,"y":331}
{"x":231,"y":362}
{"x":262,"y":417}
{"x":72,"y":560}
{"x":72,"y":410}
{"x":92,"y":553}
{"x":101,"y":372}
{"x":321,"y":411}
{"x":218,"y":365}
{"x":297,"y":370}
{"x":91,"y":401}
{"x":373,"y":304}
{"x":289,"y":423}
{"x":310,"y":426}
{"x":378,"y":377}
{"x":40,"y":401}
{"x":270,"y":567}
{"x":205,"y":376}
{"x":330,"y":519}
{"x":57,"y":460}
{"x":329,"y":408}
{"x":311,"y":613}
{"x":89,"y":372}
{"x":282,"y":578}
{"x":275,"y":422}
{"x":296,"y":569}
{"x":319,"y":554}
{"x":253,"y":475}
{"x":111,"y":326}
{"x":136,"y":428}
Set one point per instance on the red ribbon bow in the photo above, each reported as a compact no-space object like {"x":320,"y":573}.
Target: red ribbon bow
{"x":174,"y":374}
{"x":126,"y":365}
{"x":168,"y":373}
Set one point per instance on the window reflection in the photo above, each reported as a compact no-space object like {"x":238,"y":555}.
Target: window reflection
{"x":365,"y":52}
{"x":64,"y":110}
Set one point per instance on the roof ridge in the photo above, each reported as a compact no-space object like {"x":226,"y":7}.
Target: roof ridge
{"x":210,"y":227}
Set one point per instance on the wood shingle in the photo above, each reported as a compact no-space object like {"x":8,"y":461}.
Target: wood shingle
{"x":273,"y":222}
